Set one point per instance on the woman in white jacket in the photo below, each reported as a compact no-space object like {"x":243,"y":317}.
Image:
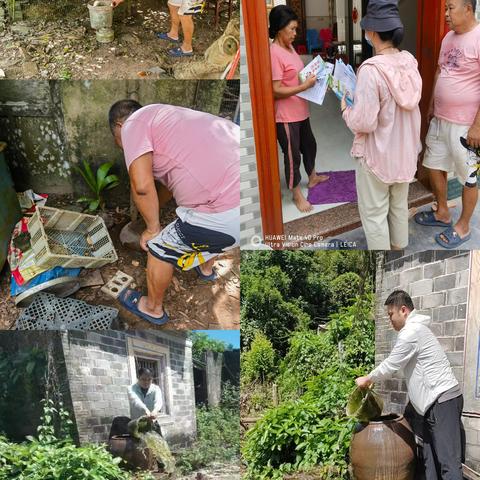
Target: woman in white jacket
{"x":145,"y":397}
{"x":433,"y":390}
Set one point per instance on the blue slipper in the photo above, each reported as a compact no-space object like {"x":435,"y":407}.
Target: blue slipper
{"x":453,"y":238}
{"x":427,"y":219}
{"x":178,"y":52}
{"x":164,"y":36}
{"x":129,"y":299}
{"x":209,"y":278}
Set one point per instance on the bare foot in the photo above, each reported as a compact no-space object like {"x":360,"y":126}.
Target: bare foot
{"x":462,"y":230}
{"x":142,"y":306}
{"x":317,"y":179}
{"x":450,"y":204}
{"x":442,"y":218}
{"x":302,"y":203}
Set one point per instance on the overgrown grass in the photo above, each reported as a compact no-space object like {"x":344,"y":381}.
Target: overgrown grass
{"x":218,"y":435}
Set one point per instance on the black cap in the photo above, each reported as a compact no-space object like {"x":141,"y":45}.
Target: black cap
{"x":382,"y":16}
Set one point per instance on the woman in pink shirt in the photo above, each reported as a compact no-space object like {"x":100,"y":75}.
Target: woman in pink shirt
{"x":291,"y":112}
{"x":385,"y":119}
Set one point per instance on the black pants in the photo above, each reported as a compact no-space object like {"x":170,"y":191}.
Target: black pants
{"x":296,"y":140}
{"x":442,"y":440}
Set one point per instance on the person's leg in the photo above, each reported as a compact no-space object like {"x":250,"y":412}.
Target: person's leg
{"x":445,"y":428}
{"x":466,"y":170}
{"x":188,"y":28}
{"x":398,"y":216}
{"x":288,"y":135}
{"x":207,"y":267}
{"x":373,"y":206}
{"x":438,"y":160}
{"x":159,"y":276}
{"x":308,"y":148}
{"x":174,"y":21}
{"x":438,"y":181}
{"x":469,"y":202}
{"x":429,"y":459}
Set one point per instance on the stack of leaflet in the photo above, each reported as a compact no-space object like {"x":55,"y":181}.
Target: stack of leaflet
{"x":343,"y":81}
{"x":322,"y":70}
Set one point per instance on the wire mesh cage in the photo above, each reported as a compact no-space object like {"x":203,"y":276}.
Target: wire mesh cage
{"x":230,"y":106}
{"x":70,"y":239}
{"x":48,"y":312}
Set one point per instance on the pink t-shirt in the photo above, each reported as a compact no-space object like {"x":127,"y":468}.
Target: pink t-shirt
{"x":195,"y":155}
{"x":457,"y":92}
{"x":286,"y":67}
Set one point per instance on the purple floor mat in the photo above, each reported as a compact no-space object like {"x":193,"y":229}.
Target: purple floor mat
{"x":339,"y":188}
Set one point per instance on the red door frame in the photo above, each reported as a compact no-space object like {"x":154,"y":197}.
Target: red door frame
{"x":254,"y":13}
{"x":431,"y":29}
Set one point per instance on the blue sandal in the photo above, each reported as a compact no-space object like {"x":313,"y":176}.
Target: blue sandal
{"x":129,"y":299}
{"x":178,"y":52}
{"x":164,"y":36}
{"x":454,"y":240}
{"x":209,"y":278}
{"x":427,"y":219}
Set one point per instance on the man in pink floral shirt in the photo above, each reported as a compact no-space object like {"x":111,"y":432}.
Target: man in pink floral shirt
{"x":455,"y":108}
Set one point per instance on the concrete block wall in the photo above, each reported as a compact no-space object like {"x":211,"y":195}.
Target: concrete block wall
{"x":437,"y":281}
{"x":98,"y":375}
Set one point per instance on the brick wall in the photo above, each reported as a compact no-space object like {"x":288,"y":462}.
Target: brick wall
{"x":98,"y":373}
{"x":438,"y":282}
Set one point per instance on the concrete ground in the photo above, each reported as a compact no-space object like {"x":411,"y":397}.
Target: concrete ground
{"x":334,"y":141}
{"x":421,"y":238}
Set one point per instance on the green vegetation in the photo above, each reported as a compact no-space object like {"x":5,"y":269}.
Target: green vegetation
{"x":201,"y":343}
{"x":218,"y":435}
{"x":97,"y":184}
{"x":53,"y":455}
{"x":23,"y":377}
{"x":313,"y":355}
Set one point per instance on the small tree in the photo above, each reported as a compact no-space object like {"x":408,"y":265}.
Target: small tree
{"x":258,"y":363}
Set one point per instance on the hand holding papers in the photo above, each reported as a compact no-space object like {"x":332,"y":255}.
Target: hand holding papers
{"x":343,"y":81}
{"x":322,"y":71}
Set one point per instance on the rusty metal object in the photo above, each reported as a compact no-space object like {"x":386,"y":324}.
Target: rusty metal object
{"x":383,"y":450}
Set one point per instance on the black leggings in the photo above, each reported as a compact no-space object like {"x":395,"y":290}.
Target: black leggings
{"x":296,"y":141}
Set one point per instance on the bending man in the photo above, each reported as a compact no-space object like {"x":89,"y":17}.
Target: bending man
{"x":196,"y":156}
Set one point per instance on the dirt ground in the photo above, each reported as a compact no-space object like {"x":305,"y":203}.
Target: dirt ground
{"x":55,"y":40}
{"x":192,"y":304}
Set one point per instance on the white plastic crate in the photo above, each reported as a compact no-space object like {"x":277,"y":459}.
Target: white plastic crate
{"x":48,"y":312}
{"x":70,"y":239}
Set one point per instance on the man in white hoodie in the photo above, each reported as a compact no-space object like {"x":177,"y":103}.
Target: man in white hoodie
{"x":433,"y":390}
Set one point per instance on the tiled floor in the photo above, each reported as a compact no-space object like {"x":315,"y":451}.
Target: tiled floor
{"x":334,"y":141}
{"x":423,"y":238}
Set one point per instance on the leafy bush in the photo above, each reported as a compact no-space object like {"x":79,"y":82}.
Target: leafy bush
{"x":345,"y":288}
{"x":97,"y":184}
{"x":230,"y":398}
{"x":258,"y":363}
{"x":348,"y":340}
{"x":264,"y":309}
{"x":218,"y":439}
{"x":294,"y":436}
{"x":51,"y":456}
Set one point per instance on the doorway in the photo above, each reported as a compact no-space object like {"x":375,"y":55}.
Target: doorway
{"x":334,"y":139}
